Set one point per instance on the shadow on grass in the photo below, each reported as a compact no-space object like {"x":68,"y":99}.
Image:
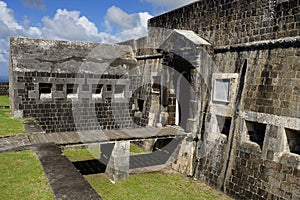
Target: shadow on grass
{"x":89,"y":167}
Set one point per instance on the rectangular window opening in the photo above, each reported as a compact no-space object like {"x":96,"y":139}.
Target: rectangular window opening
{"x":45,"y":90}
{"x":221,"y":91}
{"x":293,"y":137}
{"x":72,"y":90}
{"x":256,"y":132}
{"x":156,"y":84}
{"x":97,"y":91}
{"x":224,"y":124}
{"x":141,"y":105}
{"x":120,"y":91}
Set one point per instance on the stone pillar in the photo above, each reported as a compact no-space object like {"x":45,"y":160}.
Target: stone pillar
{"x":105,"y":152}
{"x":118,"y":166}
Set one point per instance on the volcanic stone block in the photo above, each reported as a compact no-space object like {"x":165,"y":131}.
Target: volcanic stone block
{"x":118,"y":165}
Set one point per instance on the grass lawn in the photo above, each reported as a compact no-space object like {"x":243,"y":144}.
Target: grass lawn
{"x":4,"y":101}
{"x":158,"y":186}
{"x":9,"y":125}
{"x":135,"y":149}
{"x":78,"y":155}
{"x":22,"y":177}
{"x":94,"y":153}
{"x":146,"y":186}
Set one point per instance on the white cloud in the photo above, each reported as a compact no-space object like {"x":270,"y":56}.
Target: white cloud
{"x":10,"y":27}
{"x":130,"y":25}
{"x":169,"y":4}
{"x":7,"y":17}
{"x":69,"y":25}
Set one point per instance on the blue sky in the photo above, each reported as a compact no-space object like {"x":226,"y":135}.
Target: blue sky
{"x":103,"y":21}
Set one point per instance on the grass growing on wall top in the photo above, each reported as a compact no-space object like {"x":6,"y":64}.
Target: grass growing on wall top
{"x":22,"y":177}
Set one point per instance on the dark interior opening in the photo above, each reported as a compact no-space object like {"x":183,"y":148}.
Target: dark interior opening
{"x":108,"y":88}
{"x":224,"y":124}
{"x":293,"y":137}
{"x":72,"y":88}
{"x":256,"y":132}
{"x":59,"y":87}
{"x":45,"y":88}
{"x":141,"y":104}
{"x":156,"y":84}
{"x":97,"y":88}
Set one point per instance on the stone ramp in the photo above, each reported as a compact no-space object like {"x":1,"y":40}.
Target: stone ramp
{"x":65,"y":181}
{"x":13,"y":143}
{"x":82,"y":137}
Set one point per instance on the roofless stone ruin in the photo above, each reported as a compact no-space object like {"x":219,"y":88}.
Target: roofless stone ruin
{"x":222,"y":75}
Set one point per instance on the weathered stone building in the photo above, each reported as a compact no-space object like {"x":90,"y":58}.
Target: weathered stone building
{"x":71,"y":86}
{"x":252,"y":130}
{"x":226,"y":71}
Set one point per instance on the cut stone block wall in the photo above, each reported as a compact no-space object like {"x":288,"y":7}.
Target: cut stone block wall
{"x":259,"y":42}
{"x":70,"y":86}
{"x":59,"y":113}
{"x":4,"y":89}
{"x":272,"y":83}
{"x":270,"y":97}
{"x":228,"y":22}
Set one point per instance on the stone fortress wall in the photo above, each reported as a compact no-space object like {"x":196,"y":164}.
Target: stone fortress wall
{"x":70,"y":86}
{"x":244,"y":141}
{"x":225,"y":22}
{"x":255,"y":45}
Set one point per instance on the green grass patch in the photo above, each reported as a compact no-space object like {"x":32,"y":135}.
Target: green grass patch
{"x":9,"y":125}
{"x":4,"y":101}
{"x":93,"y":152}
{"x":151,"y":186}
{"x":146,"y":186}
{"x":79,"y":155}
{"x":135,"y":149}
{"x":22,"y":177}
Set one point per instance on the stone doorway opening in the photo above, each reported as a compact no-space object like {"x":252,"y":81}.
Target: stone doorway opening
{"x":179,"y":99}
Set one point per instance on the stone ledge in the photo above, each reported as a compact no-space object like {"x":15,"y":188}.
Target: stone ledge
{"x":287,"y":42}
